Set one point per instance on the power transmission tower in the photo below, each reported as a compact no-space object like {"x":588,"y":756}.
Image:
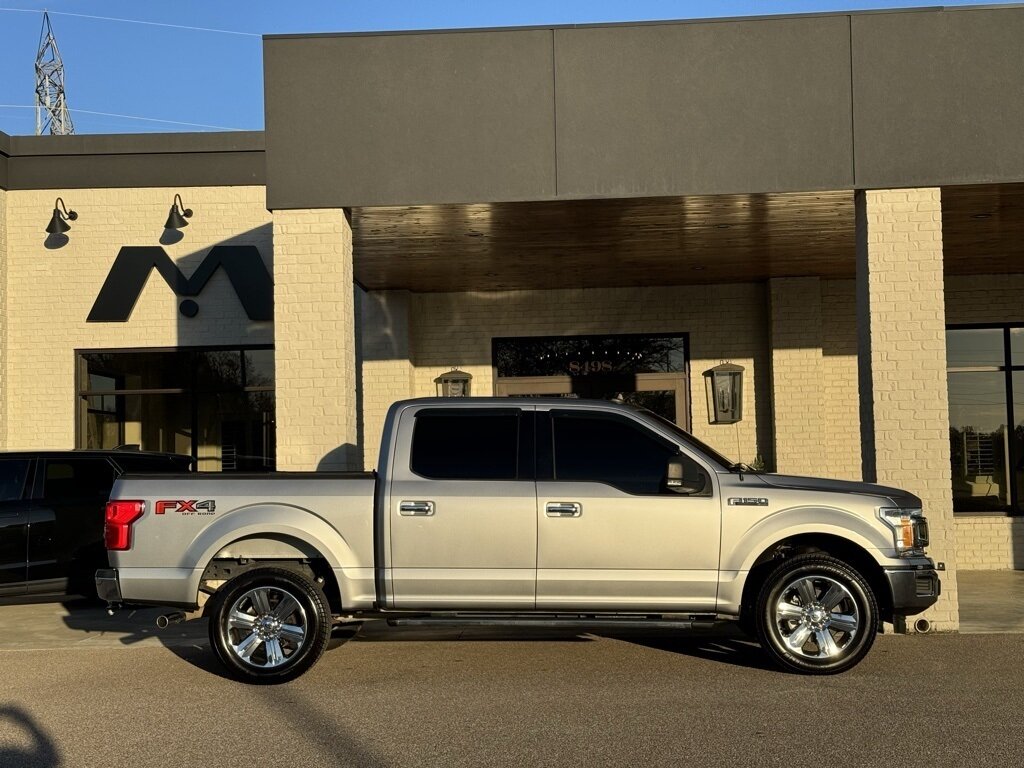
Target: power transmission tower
{"x":52,"y":114}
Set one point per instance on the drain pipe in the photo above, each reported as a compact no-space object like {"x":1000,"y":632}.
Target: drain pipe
{"x":922,"y":626}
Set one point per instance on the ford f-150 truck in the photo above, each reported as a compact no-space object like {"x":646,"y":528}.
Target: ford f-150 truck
{"x":546,"y":512}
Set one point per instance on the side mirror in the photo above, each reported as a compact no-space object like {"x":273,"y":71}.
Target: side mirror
{"x":676,"y":481}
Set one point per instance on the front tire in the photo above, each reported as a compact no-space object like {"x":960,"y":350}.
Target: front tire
{"x":269,"y":625}
{"x":816,"y":615}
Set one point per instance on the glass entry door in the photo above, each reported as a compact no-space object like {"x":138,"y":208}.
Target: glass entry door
{"x":666,"y":394}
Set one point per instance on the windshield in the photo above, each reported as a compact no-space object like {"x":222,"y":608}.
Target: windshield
{"x":686,"y":437}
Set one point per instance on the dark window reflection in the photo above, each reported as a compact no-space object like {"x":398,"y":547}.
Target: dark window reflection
{"x":974,"y":347}
{"x":214,"y":405}
{"x":978,"y":440}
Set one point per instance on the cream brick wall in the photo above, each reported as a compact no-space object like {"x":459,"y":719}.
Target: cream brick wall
{"x":798,"y":375}
{"x":387,"y":371}
{"x":725,"y":322}
{"x":842,"y":395}
{"x":49,"y":292}
{"x":987,"y":542}
{"x":3,"y":319}
{"x":902,"y":318}
{"x":314,"y":338}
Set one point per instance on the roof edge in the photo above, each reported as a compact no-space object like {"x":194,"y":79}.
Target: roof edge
{"x":652,"y":22}
{"x":133,"y":143}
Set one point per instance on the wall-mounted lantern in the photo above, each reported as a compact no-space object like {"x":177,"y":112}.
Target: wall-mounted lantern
{"x":455,"y":383}
{"x":725,"y":393}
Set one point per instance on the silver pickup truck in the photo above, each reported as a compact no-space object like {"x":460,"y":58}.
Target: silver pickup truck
{"x":537,"y":512}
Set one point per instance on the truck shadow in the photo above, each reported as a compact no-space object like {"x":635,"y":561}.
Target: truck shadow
{"x":189,"y":639}
{"x":41,"y":752}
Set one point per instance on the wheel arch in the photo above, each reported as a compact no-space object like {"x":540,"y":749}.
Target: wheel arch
{"x":275,"y":535}
{"x":850,"y":552}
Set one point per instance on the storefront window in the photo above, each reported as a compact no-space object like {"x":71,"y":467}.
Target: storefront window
{"x":986,"y":418}
{"x":216,"y":405}
{"x":644,"y":370}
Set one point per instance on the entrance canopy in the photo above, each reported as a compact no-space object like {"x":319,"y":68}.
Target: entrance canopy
{"x":658,"y":241}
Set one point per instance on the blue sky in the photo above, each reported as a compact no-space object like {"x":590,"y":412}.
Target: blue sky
{"x":215,"y":79}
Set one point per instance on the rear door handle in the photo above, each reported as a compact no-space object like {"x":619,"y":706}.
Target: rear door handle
{"x":563,"y":509}
{"x":416,"y":508}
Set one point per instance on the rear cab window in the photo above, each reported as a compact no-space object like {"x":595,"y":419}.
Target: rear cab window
{"x":471,"y":444}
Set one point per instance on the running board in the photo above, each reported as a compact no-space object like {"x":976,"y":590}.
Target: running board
{"x":554,"y":622}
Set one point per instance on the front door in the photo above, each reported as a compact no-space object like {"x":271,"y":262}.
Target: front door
{"x":611,"y":536}
{"x":14,"y":507}
{"x":462,"y":510}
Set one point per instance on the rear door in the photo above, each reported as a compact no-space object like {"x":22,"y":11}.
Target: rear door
{"x":462,"y":509}
{"x":65,"y":542}
{"x":14,"y":506}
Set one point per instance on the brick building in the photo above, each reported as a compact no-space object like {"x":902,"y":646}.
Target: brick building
{"x":834,"y":202}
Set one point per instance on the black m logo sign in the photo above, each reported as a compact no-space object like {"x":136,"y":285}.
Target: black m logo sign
{"x":242,"y":263}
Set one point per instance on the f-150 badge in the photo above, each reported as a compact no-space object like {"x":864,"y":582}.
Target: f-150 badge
{"x":193,"y":507}
{"x":748,"y":501}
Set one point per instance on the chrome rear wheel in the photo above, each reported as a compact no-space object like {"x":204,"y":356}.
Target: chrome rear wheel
{"x":269,"y":625}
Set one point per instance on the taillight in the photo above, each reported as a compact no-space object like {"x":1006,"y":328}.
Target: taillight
{"x":117,"y":533}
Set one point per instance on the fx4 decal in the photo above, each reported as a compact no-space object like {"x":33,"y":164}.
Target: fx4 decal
{"x":193,"y":507}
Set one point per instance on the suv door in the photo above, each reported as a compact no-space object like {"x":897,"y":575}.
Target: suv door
{"x":14,"y":506}
{"x":611,"y":534}
{"x":65,"y":541}
{"x":462,"y":509}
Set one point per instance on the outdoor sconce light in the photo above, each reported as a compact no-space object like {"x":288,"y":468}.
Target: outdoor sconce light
{"x":179,"y":215}
{"x":725,"y":393}
{"x":59,"y":221}
{"x":455,"y":383}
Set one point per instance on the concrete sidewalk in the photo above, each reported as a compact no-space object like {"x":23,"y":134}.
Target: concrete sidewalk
{"x":991,"y":601}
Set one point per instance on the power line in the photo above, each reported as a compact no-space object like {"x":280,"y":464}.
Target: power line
{"x":135,"y":21}
{"x":129,"y":117}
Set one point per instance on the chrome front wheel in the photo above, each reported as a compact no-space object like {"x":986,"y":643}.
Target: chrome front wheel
{"x":816,"y":614}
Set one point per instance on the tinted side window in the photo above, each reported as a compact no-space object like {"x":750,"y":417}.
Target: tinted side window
{"x":602,"y":448}
{"x":12,"y":478}
{"x":466,"y":444}
{"x":70,"y":479}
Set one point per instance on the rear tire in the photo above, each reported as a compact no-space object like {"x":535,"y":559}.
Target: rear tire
{"x":269,"y":625}
{"x":816,"y":615}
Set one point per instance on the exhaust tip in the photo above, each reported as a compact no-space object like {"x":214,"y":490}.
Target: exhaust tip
{"x":922,"y":626}
{"x":164,"y":621}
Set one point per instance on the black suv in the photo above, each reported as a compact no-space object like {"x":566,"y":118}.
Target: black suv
{"x":52,"y":515}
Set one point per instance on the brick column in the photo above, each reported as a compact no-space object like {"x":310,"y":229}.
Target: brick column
{"x":901,"y":323}
{"x":798,"y":376}
{"x":314,"y":341}
{"x":384,"y":353}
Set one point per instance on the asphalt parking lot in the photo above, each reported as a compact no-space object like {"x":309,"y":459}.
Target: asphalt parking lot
{"x":88,"y":691}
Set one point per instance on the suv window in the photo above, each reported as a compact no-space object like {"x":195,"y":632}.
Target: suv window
{"x":77,"y":479}
{"x":611,"y":449}
{"x":12,"y":478}
{"x":466,"y":444}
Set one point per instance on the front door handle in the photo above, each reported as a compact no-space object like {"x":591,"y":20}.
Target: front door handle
{"x":563,"y":509}
{"x":416,"y":508}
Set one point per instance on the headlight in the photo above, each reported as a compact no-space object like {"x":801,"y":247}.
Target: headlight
{"x":909,"y":527}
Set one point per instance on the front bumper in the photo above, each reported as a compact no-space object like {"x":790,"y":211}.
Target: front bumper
{"x":914,"y":588}
{"x":107,"y":586}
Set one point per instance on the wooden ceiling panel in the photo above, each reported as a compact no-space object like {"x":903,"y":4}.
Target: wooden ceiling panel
{"x":658,"y":241}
